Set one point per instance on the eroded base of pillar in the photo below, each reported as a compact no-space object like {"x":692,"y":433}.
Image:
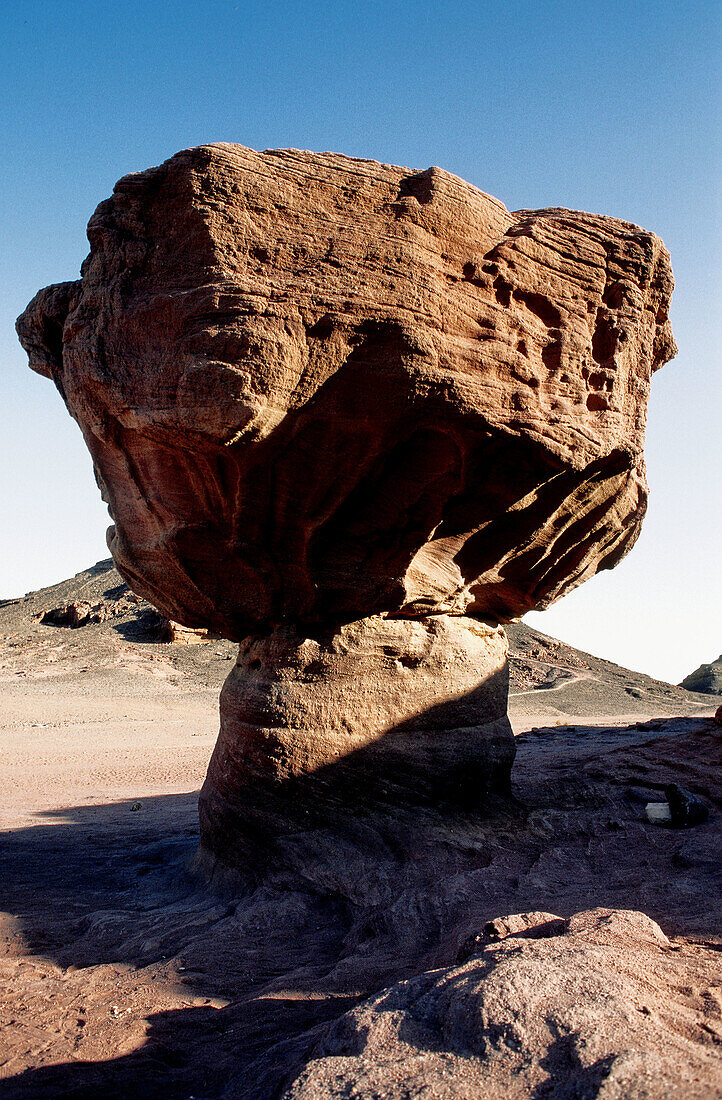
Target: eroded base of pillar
{"x":382,"y":717}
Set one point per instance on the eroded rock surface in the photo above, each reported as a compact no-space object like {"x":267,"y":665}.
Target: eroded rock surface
{"x":608,"y":1009}
{"x":384,"y":711}
{"x":321,"y":391}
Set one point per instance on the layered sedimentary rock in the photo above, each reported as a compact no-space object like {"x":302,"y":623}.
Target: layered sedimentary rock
{"x":381,"y":711}
{"x":336,"y":407}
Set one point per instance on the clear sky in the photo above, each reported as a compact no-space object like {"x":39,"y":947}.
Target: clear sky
{"x":611,"y":107}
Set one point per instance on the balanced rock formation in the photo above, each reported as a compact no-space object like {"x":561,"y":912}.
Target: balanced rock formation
{"x":355,"y":417}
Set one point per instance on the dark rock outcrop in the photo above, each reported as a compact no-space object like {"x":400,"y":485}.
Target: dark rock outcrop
{"x":74,"y":614}
{"x":706,"y":679}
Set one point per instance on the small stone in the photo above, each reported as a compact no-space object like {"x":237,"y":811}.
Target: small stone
{"x":135,"y":806}
{"x":534,"y":926}
{"x":658,"y":813}
{"x":183,"y":635}
{"x":686,"y":809}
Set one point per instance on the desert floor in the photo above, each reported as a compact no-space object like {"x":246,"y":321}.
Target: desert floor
{"x":124,"y":975}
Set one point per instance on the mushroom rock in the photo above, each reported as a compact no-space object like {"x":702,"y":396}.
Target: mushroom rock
{"x":354,"y":417}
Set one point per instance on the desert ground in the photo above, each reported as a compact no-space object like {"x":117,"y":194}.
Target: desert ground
{"x":126,"y":974}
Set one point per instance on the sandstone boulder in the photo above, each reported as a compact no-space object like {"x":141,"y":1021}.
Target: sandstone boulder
{"x":323,"y":395}
{"x":317,"y":388}
{"x":74,"y":614}
{"x":607,"y":1009}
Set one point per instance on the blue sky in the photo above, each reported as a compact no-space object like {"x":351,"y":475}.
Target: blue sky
{"x":608,"y":107}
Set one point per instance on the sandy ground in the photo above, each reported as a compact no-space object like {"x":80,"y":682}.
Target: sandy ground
{"x":122,"y":975}
{"x":78,"y":751}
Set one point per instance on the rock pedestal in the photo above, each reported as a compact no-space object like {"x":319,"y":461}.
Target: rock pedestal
{"x":354,"y":416}
{"x":380,"y":712}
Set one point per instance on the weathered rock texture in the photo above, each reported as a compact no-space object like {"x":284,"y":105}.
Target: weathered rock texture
{"x":382,"y":711}
{"x":607,"y":1009}
{"x":320,"y":391}
{"x":317,"y":388}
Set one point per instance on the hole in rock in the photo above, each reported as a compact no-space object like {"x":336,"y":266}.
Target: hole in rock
{"x":409,"y":661}
{"x":419,"y":186}
{"x":614,"y":296}
{"x":604,"y":340}
{"x":322,"y":328}
{"x":540,"y":306}
{"x":503,"y":291}
{"x":552,"y":356}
